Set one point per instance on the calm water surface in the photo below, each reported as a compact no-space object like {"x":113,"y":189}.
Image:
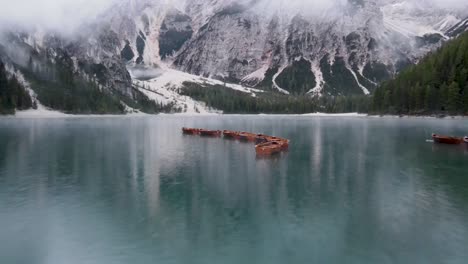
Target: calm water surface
{"x":134,"y":190}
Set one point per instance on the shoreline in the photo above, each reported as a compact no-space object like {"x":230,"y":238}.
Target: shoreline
{"x":46,"y":113}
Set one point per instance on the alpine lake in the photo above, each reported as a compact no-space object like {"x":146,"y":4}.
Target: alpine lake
{"x":136,"y":190}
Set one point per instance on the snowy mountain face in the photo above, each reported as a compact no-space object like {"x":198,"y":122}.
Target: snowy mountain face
{"x":459,"y":28}
{"x":295,"y":47}
{"x":346,"y":49}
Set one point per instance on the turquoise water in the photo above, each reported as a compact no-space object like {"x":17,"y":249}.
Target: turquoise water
{"x":135,"y":190}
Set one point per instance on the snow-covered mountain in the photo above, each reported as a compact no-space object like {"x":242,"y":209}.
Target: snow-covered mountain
{"x":458,"y":28}
{"x":298,"y":47}
{"x":347,"y":49}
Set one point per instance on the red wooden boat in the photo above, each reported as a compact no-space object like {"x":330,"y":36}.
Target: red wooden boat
{"x":260,"y":138}
{"x":230,"y":134}
{"x":268,"y":148}
{"x":271,"y":138}
{"x":265,"y":145}
{"x":190,"y":131}
{"x":446,"y":140}
{"x":245,"y":136}
{"x":284,"y":143}
{"x":210,"y":133}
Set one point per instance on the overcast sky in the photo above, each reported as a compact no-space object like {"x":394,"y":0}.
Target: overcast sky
{"x":50,"y":13}
{"x":68,"y":14}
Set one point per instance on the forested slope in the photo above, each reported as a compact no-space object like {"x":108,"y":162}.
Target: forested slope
{"x":437,"y":85}
{"x":13,"y":96}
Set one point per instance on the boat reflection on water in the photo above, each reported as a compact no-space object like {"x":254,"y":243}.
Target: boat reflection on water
{"x":275,"y":157}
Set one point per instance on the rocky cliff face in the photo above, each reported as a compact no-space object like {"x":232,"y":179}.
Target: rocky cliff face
{"x":348,"y":49}
{"x":95,"y":57}
{"x":459,"y":28}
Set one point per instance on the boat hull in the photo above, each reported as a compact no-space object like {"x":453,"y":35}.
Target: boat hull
{"x":268,"y":149}
{"x":190,"y":131}
{"x":230,"y":134}
{"x":210,"y":133}
{"x":249,"y":137}
{"x":447,"y":140}
{"x":259,"y":139}
{"x":282,"y":141}
{"x":284,"y":144}
{"x":265,"y":145}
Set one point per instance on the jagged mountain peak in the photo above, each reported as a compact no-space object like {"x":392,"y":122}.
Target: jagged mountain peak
{"x":261,"y":42}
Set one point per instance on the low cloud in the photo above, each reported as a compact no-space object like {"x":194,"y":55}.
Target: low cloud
{"x":68,"y":15}
{"x":62,"y":15}
{"x":451,"y":4}
{"x":315,"y":8}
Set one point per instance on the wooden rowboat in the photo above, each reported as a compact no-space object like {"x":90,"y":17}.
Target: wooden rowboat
{"x":271,"y":138}
{"x":190,"y":131}
{"x":230,"y":134}
{"x":210,"y":133}
{"x":284,"y":143}
{"x":268,"y":148}
{"x":446,"y":139}
{"x":245,"y":136}
{"x":260,"y":138}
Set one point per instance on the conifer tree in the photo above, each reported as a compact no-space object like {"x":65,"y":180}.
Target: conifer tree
{"x":438,"y":84}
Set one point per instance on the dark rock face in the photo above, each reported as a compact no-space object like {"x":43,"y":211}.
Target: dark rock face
{"x":104,"y":66}
{"x":297,"y":78}
{"x":377,"y":72}
{"x":459,"y":28}
{"x":429,"y":39}
{"x":339,"y":80}
{"x":110,"y":73}
{"x":127,"y":52}
{"x":175,"y":30}
{"x":140,"y":43}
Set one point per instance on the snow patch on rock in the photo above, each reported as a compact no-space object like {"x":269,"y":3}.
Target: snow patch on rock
{"x":276,"y":76}
{"x":256,"y":76}
{"x":317,"y":90}
{"x":165,"y":87}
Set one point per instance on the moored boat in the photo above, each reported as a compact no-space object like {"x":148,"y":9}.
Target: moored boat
{"x":265,"y":145}
{"x":209,"y":133}
{"x":284,"y":143}
{"x":446,"y":139}
{"x":260,"y":138}
{"x":271,"y":138}
{"x":190,"y":131}
{"x":246,"y":136}
{"x":230,"y":134}
{"x":268,"y":148}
